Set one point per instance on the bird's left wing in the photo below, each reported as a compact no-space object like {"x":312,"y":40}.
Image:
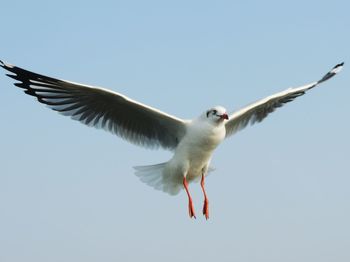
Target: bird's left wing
{"x":93,"y":106}
{"x":259,"y":110}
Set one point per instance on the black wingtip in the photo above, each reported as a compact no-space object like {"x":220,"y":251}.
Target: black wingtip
{"x":335,"y":70}
{"x":6,"y":65}
{"x":339,"y":65}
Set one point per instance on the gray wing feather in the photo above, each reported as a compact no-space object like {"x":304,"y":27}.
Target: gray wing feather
{"x":101,"y":108}
{"x":258,"y":111}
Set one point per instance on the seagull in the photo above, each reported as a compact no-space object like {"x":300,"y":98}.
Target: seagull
{"x":192,"y":141}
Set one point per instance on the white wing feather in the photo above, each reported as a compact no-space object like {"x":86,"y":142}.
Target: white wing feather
{"x":101,"y":108}
{"x":258,"y":111}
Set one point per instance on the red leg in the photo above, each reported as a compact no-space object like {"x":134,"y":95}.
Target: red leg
{"x":206,"y":202}
{"x":190,"y":204}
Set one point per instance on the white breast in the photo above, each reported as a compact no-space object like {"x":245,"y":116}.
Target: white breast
{"x":194,"y":152}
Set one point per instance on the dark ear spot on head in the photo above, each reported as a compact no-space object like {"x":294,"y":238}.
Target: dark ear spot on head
{"x":208,"y":113}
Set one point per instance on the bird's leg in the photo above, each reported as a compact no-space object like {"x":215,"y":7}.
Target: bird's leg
{"x":206,"y":202}
{"x":190,"y":203}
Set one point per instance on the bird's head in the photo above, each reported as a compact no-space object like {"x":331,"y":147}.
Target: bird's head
{"x":216,"y":114}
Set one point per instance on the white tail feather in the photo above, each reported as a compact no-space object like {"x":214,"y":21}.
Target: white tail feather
{"x":155,"y":177}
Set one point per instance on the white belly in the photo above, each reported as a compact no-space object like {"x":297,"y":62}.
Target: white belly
{"x":191,"y":158}
{"x":193,"y":154}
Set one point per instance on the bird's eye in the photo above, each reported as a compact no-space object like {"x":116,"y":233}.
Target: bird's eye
{"x":211,"y":112}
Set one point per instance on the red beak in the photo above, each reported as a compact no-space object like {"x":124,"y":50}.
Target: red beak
{"x":224,"y":116}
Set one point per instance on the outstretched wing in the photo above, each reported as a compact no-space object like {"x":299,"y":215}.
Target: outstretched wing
{"x":93,"y":106}
{"x":259,"y":110}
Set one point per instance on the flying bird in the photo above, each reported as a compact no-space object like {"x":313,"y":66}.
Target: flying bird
{"x":192,"y":141}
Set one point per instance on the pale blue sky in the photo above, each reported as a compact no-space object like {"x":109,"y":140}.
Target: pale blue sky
{"x":280,"y":191}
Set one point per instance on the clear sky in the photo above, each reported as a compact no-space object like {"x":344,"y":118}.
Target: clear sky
{"x":280,"y":191}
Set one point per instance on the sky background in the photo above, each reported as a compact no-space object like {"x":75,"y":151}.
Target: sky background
{"x":280,"y":191}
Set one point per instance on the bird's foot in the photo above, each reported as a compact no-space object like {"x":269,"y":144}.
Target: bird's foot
{"x":191,"y":210}
{"x":206,"y":209}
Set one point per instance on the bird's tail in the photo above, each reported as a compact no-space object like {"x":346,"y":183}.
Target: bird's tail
{"x":155,"y":177}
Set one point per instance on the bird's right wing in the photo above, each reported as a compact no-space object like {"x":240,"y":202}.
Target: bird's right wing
{"x":259,"y":110}
{"x":98,"y":107}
